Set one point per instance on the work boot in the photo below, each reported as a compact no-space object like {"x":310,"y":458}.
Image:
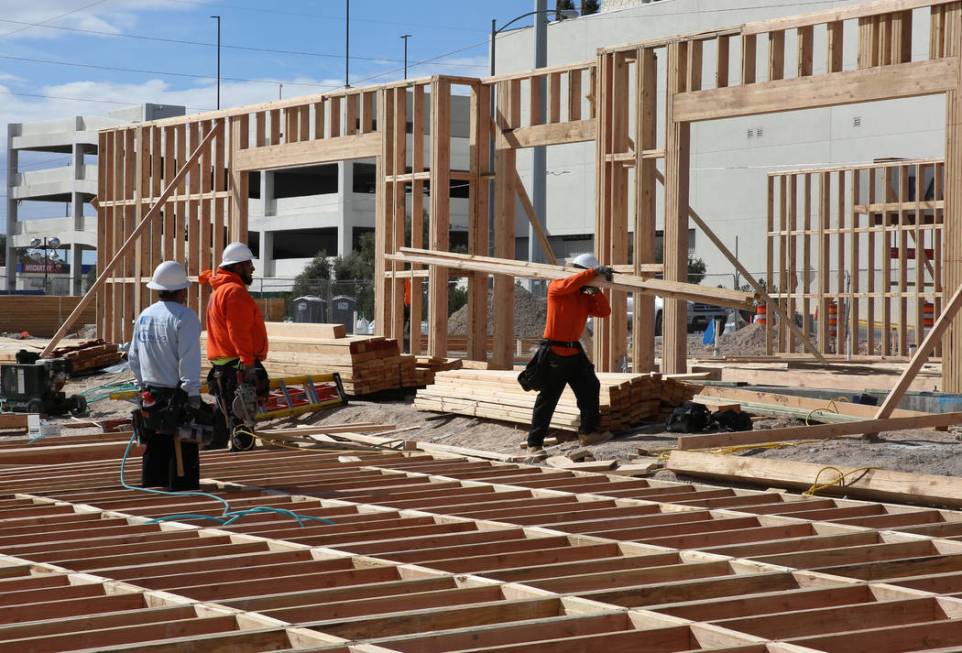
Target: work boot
{"x":595,"y":437}
{"x":537,"y":452}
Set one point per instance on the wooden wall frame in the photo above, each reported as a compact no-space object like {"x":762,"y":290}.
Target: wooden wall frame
{"x":587,"y":102}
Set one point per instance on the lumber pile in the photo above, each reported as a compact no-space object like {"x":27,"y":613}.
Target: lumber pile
{"x":861,"y":483}
{"x":428,"y":366}
{"x":626,"y":399}
{"x":89,"y":355}
{"x":367,"y":364}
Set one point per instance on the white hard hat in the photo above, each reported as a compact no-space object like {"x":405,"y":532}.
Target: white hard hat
{"x":169,"y":275}
{"x":236,"y":253}
{"x":587,"y":261}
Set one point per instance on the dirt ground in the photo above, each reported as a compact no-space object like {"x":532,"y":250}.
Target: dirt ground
{"x":921,"y":451}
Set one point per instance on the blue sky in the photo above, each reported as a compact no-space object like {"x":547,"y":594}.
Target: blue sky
{"x":59,"y":58}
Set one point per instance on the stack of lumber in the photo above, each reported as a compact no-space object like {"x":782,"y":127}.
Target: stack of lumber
{"x":367,"y":364}
{"x":626,"y":399}
{"x":89,"y":355}
{"x":428,"y":366}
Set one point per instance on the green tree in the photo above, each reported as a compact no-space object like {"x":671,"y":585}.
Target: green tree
{"x":589,"y":7}
{"x":562,"y":5}
{"x":310,"y":280}
{"x":696,"y":270}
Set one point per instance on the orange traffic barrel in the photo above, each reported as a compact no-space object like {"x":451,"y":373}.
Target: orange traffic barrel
{"x":761,"y":314}
{"x":832,"y":318}
{"x":928,"y":314}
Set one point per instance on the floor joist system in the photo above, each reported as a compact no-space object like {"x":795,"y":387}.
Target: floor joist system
{"x":432,"y":553}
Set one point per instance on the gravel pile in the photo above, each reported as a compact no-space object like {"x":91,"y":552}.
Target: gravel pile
{"x":530,"y":313}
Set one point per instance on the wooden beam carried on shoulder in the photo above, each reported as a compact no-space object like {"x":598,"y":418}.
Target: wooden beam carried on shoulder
{"x":111,"y":265}
{"x":626,"y":282}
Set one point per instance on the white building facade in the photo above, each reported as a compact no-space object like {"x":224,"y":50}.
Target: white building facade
{"x":730,"y":159}
{"x":71,"y":183}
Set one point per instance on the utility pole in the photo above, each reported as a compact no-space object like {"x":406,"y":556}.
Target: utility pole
{"x":539,"y":165}
{"x":405,"y":38}
{"x":218,"y":59}
{"x":347,"y":43}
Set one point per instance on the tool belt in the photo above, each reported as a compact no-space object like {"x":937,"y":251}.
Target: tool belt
{"x":572,"y":344}
{"x":160,"y":411}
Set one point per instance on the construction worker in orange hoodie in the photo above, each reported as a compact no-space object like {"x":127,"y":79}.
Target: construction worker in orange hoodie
{"x":570,"y":302}
{"x":236,"y":345}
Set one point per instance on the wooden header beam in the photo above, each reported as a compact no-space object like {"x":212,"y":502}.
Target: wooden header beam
{"x":287,"y":155}
{"x":849,"y":87}
{"x":834,"y":15}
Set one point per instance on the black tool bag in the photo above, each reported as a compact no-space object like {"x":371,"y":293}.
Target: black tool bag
{"x":161,"y":411}
{"x":731,"y":420}
{"x":533,"y":375}
{"x":690,"y":417}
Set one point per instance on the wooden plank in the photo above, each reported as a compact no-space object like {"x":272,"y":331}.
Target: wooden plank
{"x":838,"y":14}
{"x":624,"y":282}
{"x":440,"y":215}
{"x":835,"y":59}
{"x":646,"y":136}
{"x":533,"y":220}
{"x":677,"y":164}
{"x":848,"y":87}
{"x":308,"y":152}
{"x":554,"y":97}
{"x":478,"y":219}
{"x":417,"y":204}
{"x":876,"y":484}
{"x":806,"y":50}
{"x":507,"y":117}
{"x":819,"y":431}
{"x":551,"y":134}
{"x":126,"y":247}
{"x":749,"y":58}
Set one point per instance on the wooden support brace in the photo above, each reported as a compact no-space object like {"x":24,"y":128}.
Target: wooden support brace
{"x":533,"y":219}
{"x":128,"y":244}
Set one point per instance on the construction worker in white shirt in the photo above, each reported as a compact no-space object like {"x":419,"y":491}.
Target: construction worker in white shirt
{"x":164,"y":356}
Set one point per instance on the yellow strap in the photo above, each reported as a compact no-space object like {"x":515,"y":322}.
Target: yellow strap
{"x":225,"y":361}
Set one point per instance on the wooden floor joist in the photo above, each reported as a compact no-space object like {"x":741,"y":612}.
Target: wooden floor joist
{"x":435,"y":551}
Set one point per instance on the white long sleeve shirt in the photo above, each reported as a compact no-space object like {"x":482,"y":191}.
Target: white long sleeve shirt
{"x":165,"y":347}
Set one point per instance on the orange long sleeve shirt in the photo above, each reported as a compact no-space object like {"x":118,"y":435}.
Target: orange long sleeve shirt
{"x":235,"y":325}
{"x":569,"y":308}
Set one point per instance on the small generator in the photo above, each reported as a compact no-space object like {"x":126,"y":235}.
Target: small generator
{"x":35,"y":385}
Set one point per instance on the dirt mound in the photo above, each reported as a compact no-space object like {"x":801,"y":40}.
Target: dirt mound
{"x":748,"y":341}
{"x":530,"y":313}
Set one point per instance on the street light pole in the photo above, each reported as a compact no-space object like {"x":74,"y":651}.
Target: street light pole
{"x":347,"y":43}
{"x":539,"y":161}
{"x":218,"y":60}
{"x":405,"y":38}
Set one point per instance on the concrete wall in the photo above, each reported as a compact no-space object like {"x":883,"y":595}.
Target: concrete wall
{"x":730,"y":158}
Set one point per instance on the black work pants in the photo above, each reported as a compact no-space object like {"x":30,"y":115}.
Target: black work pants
{"x":159,"y":464}
{"x":576,"y":371}
{"x":222,"y":384}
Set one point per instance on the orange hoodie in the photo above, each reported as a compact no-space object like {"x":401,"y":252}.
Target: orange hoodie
{"x":235,"y":325}
{"x":569,"y":308}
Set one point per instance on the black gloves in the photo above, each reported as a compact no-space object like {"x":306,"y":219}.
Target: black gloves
{"x":605,"y":271}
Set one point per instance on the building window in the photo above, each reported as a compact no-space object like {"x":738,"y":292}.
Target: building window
{"x":305,"y":243}
{"x":365,"y":178}
{"x":302,"y":182}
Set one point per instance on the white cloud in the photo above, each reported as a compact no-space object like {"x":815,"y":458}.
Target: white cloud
{"x":112,"y":16}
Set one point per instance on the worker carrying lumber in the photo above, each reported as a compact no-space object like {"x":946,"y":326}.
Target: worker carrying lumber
{"x":561,"y":359}
{"x":171,"y":420}
{"x":236,"y":345}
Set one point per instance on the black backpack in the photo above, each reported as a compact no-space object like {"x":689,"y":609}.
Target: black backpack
{"x":731,"y":420}
{"x":690,"y":417}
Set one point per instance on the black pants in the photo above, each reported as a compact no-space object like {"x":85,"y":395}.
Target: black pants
{"x":159,"y":465}
{"x":576,"y":371}
{"x":222,"y":379}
